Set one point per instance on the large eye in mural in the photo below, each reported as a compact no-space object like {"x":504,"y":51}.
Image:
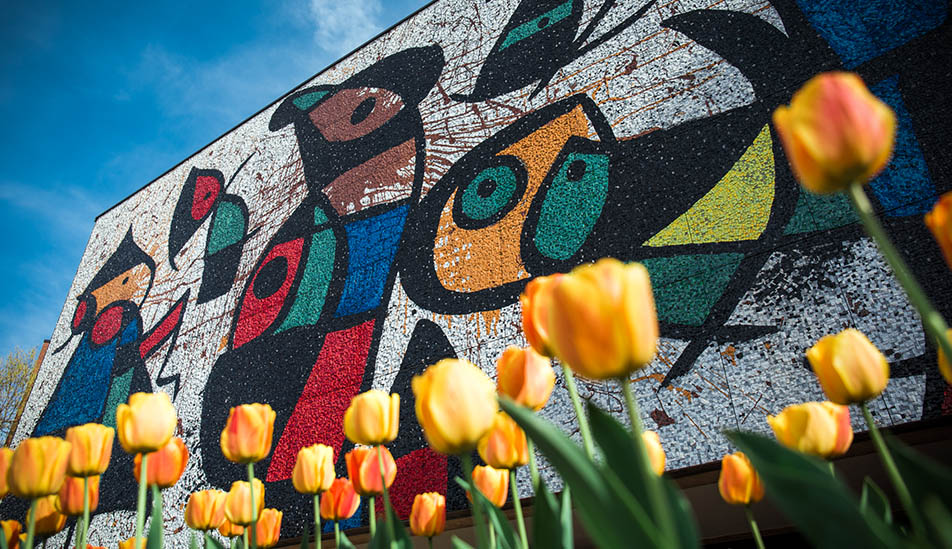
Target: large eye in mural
{"x":490,"y":194}
{"x":355,"y":112}
{"x":266,"y":295}
{"x":539,"y":23}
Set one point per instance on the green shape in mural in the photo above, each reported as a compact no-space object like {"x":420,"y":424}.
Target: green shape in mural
{"x":118,"y":394}
{"x":312,"y":291}
{"x":686,"y":287}
{"x":228,"y":227}
{"x":572,"y":205}
{"x":536,"y":24}
{"x":816,"y":212}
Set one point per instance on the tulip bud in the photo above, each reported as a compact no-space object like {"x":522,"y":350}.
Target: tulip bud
{"x":428,"y":514}
{"x":70,"y":500}
{"x":819,"y":428}
{"x":364,"y":470}
{"x":11,"y":531}
{"x":602,"y":320}
{"x":268,"y":528}
{"x":944,"y":368}
{"x":166,"y":465}
{"x":535,"y":315}
{"x":238,"y":502}
{"x":314,"y":469}
{"x":492,"y":483}
{"x":6,"y":456}
{"x":656,"y":455}
{"x":455,"y":405}
{"x":146,"y":423}
{"x":372,"y":418}
{"x":230,"y":529}
{"x":739,"y":483}
{"x":205,"y":510}
{"x":247,"y":435}
{"x":130,"y":543}
{"x":525,"y":376}
{"x":38,"y":467}
{"x":849,"y":367}
{"x":504,"y":446}
{"x":92,"y":448}
{"x":340,"y":502}
{"x":939,"y":221}
{"x":49,"y":521}
{"x":835,"y":132}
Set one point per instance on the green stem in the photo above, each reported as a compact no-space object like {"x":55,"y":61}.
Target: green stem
{"x":832,"y":469}
{"x":205,"y":532}
{"x":753,"y":528}
{"x":477,"y":509}
{"x":254,"y":508}
{"x":429,"y":542}
{"x":372,"y":511}
{"x":140,"y":510}
{"x":386,"y":497}
{"x":583,"y":427}
{"x":653,"y":483}
{"x":233,"y":542}
{"x":533,"y":468}
{"x":933,"y":322}
{"x":492,"y":538}
{"x":518,"y":505}
{"x":898,"y":484}
{"x":244,"y":537}
{"x":85,"y":530}
{"x":317,"y":520}
{"x":157,"y":501}
{"x":31,"y":525}
{"x":336,"y":533}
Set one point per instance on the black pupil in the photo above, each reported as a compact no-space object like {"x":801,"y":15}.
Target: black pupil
{"x":486,"y":187}
{"x":208,"y":195}
{"x":543,"y":22}
{"x":270,"y":277}
{"x":124,"y":280}
{"x":576,"y":170}
{"x":363,"y":110}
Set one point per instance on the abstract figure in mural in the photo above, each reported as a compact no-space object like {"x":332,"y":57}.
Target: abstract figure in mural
{"x":305,"y":323}
{"x":204,"y":196}
{"x":539,"y":39}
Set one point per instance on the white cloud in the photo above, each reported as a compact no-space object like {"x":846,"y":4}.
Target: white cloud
{"x":341,"y":26}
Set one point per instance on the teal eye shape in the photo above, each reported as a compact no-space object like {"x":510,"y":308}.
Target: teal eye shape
{"x":491,"y":194}
{"x":572,"y":204}
{"x":308,"y":100}
{"x":541,"y":22}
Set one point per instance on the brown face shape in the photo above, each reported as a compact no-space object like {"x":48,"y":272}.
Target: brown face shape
{"x":130,"y":285}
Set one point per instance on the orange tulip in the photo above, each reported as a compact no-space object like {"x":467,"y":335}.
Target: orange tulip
{"x":492,"y":483}
{"x":268,"y":528}
{"x":835,"y":132}
{"x":944,"y":368}
{"x":48,"y":520}
{"x":340,"y":502}
{"x":146,"y":423}
{"x":38,"y":467}
{"x":739,"y":483}
{"x":238,"y":502}
{"x":849,"y":367}
{"x":205,"y":509}
{"x":130,"y":543}
{"x":314,"y":469}
{"x":247,"y":435}
{"x":819,"y":428}
{"x":364,"y":469}
{"x":372,"y":418}
{"x":6,"y":456}
{"x":535,"y":315}
{"x":230,"y":529}
{"x":525,"y":376}
{"x":11,"y":531}
{"x":70,"y":501}
{"x":655,"y":451}
{"x":455,"y":405}
{"x":428,"y":514}
{"x":602,"y":320}
{"x":504,"y":446}
{"x":92,"y":448}
{"x":939,"y":221}
{"x":166,"y":465}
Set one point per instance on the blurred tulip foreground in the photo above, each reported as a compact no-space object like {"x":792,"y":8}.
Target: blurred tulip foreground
{"x":599,"y":322}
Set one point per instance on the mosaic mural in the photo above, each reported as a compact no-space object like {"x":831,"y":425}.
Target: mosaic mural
{"x":388,"y":213}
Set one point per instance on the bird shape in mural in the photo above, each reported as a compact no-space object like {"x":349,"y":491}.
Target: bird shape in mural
{"x":537,"y":41}
{"x":204,"y":196}
{"x":697,"y":203}
{"x":304,"y":325}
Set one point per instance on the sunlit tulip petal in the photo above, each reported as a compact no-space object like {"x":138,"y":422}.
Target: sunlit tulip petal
{"x":146,"y":423}
{"x":455,"y":405}
{"x":247,"y":434}
{"x":739,"y":483}
{"x":38,"y":467}
{"x":92,"y":448}
{"x":428,"y":514}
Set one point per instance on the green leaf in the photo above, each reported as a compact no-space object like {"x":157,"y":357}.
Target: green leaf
{"x":3,"y":540}
{"x":925,"y":478}
{"x":505,"y":535}
{"x":568,"y":526}
{"x":155,"y":540}
{"x":547,"y":523}
{"x":192,"y":542}
{"x":873,"y":500}
{"x":344,"y":542}
{"x":214,"y":543}
{"x":600,"y":506}
{"x":460,"y":544}
{"x":802,"y":487}
{"x":939,"y":518}
{"x":307,"y":534}
{"x":685,"y":525}
{"x":381,"y":536}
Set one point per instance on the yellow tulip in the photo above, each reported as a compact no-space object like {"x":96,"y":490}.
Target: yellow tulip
{"x":314,"y":469}
{"x":602,"y":319}
{"x":247,"y":434}
{"x":146,"y":423}
{"x":340,"y":502}
{"x":525,"y":376}
{"x":130,"y":543}
{"x":849,"y":367}
{"x":49,"y":521}
{"x":205,"y":509}
{"x":944,"y":368}
{"x":238,"y":502}
{"x":535,"y":314}
{"x":268,"y":528}
{"x":656,"y":455}
{"x":166,"y":465}
{"x":739,"y":483}
{"x":6,"y":456}
{"x":92,"y":448}
{"x":504,"y":446}
{"x":230,"y":529}
{"x":819,"y":428}
{"x":372,"y":418}
{"x":428,"y":514}
{"x":38,"y":467}
{"x":11,"y":531}
{"x":492,"y":483}
{"x":835,"y":132}
{"x":455,"y":405}
{"x":70,"y":500}
{"x":939,"y":221}
{"x":363,"y":469}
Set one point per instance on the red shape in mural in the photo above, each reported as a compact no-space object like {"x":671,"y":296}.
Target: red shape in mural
{"x":206,"y":191}
{"x":107,"y":325}
{"x":265,"y":296}
{"x":420,"y":471}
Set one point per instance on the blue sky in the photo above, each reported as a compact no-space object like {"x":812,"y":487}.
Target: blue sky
{"x":97,"y":99}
